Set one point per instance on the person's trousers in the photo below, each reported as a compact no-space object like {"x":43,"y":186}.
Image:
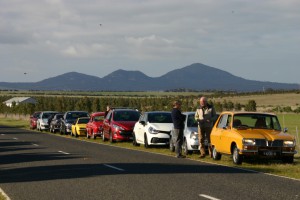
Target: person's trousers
{"x":204,"y":133}
{"x":178,"y":140}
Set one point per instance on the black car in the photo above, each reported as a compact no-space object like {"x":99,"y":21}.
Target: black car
{"x":69,"y":118}
{"x":55,"y":122}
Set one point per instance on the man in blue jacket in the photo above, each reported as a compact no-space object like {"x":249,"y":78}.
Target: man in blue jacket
{"x":178,"y":122}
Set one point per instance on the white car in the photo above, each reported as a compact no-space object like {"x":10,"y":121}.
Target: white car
{"x":153,"y":128}
{"x":43,"y":120}
{"x":190,"y":135}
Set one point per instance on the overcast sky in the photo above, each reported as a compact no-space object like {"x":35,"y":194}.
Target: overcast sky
{"x":256,"y":40}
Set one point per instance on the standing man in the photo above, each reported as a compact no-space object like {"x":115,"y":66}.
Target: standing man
{"x":205,"y":116}
{"x":178,"y":122}
{"x":108,"y":108}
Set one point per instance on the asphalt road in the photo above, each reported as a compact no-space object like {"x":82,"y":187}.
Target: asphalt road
{"x":43,"y":166}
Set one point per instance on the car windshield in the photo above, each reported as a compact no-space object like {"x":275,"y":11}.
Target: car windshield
{"x":159,"y":118}
{"x":83,"y":120}
{"x":47,"y":115}
{"x":99,"y":118}
{"x":126,"y":116}
{"x":191,"y":122}
{"x":257,"y":121}
{"x":75,"y":115}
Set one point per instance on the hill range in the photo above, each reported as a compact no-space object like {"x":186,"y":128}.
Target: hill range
{"x":196,"y":77}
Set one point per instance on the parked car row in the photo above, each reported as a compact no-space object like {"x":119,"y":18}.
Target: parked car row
{"x":240,"y":134}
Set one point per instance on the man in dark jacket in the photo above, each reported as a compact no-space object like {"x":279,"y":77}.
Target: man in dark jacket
{"x":178,"y":122}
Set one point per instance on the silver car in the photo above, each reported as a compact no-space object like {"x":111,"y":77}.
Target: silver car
{"x":190,"y":135}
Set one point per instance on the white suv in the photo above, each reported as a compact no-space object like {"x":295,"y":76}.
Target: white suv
{"x":153,"y":128}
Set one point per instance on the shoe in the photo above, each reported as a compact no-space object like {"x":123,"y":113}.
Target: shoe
{"x":180,"y":156}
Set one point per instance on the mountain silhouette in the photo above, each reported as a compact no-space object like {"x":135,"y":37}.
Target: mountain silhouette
{"x":193,"y":77}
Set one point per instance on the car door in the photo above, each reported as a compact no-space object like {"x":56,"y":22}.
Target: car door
{"x":220,"y":133}
{"x":106,"y":124}
{"x":139,"y":128}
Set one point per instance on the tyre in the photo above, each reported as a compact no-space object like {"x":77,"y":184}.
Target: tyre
{"x":237,"y":158}
{"x":87,"y":134}
{"x":171,"y":145}
{"x":134,"y":142}
{"x":215,"y":154}
{"x":146,"y":141}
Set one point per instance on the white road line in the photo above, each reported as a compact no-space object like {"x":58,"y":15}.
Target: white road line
{"x":110,"y":166}
{"x":5,"y":195}
{"x":2,"y":134}
{"x":15,"y":138}
{"x":35,"y":145}
{"x":208,"y":197}
{"x":64,"y":152}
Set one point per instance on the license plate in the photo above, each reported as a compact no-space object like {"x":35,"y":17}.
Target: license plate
{"x":269,"y":153}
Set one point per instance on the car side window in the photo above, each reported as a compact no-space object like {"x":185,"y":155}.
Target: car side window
{"x":223,"y":121}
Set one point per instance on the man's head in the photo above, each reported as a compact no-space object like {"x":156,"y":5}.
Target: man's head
{"x":177,"y":104}
{"x":203,"y":101}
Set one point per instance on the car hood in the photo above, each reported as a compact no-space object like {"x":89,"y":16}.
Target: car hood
{"x":265,"y":134}
{"x":161,"y":126}
{"x":127,"y":125}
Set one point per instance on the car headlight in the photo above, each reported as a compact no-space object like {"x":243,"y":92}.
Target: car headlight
{"x":152,"y":130}
{"x":117,"y":127}
{"x":249,"y":142}
{"x":289,"y":143}
{"x":194,"y":135}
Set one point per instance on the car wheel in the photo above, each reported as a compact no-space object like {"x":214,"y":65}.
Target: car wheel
{"x":288,"y":159}
{"x":134,"y":142}
{"x":237,"y":158}
{"x":185,"y":148}
{"x":215,"y":154}
{"x":146,"y":141}
{"x":93,"y":135}
{"x":171,"y":145}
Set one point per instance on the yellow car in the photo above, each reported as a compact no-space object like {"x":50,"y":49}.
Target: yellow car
{"x":79,"y":126}
{"x":249,"y":134}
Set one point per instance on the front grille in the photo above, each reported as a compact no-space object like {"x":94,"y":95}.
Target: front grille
{"x":275,"y":143}
{"x":268,"y":143}
{"x":261,"y":142}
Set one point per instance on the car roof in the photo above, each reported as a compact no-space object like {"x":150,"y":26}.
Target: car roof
{"x":247,"y":112}
{"x":158,"y":112}
{"x":98,"y":114}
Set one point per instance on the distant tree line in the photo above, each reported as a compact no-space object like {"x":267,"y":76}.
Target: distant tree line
{"x":95,"y":104}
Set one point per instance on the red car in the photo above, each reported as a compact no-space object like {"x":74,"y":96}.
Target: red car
{"x":118,"y":124}
{"x":94,"y":127}
{"x":33,"y":120}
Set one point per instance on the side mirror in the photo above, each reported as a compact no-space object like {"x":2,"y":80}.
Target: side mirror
{"x":285,"y":130}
